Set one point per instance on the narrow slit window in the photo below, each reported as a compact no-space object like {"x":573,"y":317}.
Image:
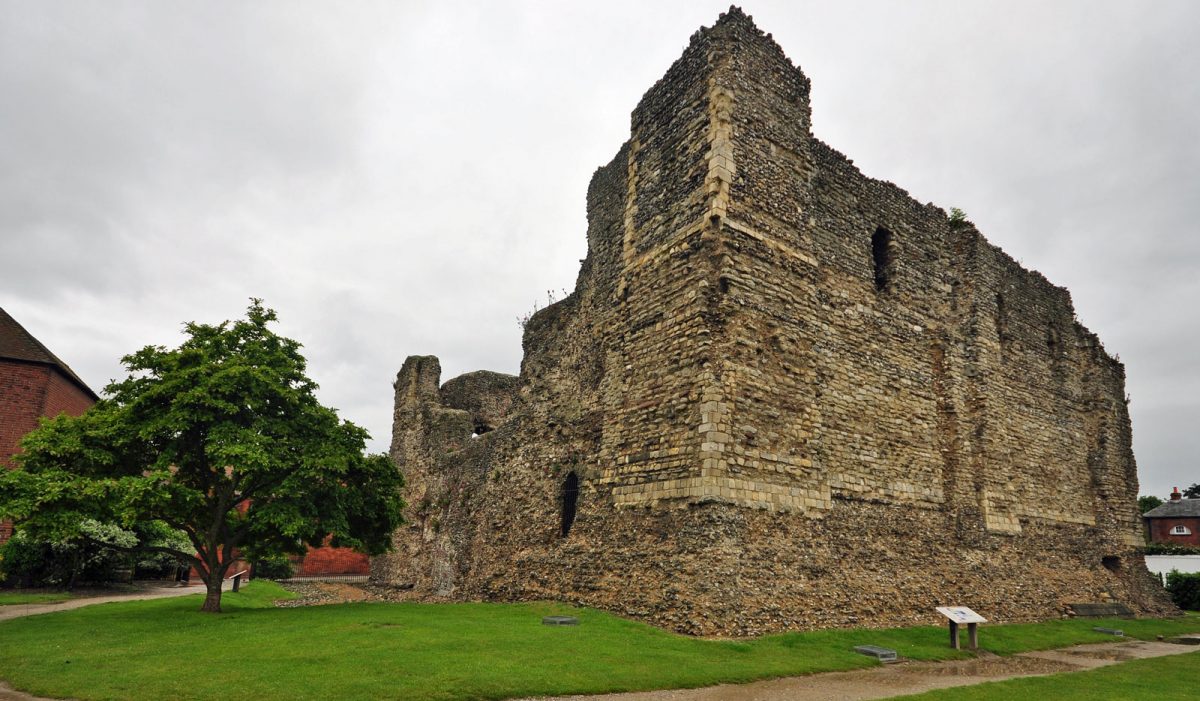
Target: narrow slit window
{"x":1001,"y":319}
{"x":570,"y":499}
{"x":881,"y":254}
{"x":1053,"y":343}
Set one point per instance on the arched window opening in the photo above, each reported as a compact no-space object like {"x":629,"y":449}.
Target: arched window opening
{"x":570,"y":498}
{"x":1181,"y":530}
{"x":881,"y":254}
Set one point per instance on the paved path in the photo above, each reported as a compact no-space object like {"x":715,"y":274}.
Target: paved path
{"x":907,"y":677}
{"x":151,"y":592}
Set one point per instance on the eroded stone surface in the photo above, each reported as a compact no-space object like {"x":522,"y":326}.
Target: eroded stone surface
{"x":793,"y":396}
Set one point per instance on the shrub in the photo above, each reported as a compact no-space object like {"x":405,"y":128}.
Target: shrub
{"x":276,"y":567}
{"x":1184,"y":589}
{"x":1171,"y":549}
{"x":33,"y":562}
{"x":958,"y":218}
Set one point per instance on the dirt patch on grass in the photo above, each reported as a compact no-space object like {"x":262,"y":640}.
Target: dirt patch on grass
{"x":320,"y":593}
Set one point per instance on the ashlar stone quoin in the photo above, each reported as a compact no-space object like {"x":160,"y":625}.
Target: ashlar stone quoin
{"x":782,"y":395}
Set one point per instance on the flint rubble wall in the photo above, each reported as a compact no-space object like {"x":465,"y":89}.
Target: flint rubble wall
{"x":794,"y":397}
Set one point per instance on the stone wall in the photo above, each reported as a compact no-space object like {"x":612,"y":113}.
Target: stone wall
{"x":791,"y":395}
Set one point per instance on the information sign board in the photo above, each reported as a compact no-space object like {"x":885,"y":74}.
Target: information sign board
{"x":961,"y":614}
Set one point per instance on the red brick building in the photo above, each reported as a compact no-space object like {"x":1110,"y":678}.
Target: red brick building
{"x":33,"y":383}
{"x":1176,"y":522}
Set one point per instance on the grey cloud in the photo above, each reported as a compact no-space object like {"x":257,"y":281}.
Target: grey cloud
{"x":409,"y":177}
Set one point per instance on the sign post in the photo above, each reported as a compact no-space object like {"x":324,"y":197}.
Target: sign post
{"x":959,"y":615}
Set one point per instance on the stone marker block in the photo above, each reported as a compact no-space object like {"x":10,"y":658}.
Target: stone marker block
{"x":1110,"y":631}
{"x":1101,"y":610}
{"x":560,"y":621}
{"x":882,"y":654}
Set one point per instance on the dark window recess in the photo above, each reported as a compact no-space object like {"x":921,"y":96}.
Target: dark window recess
{"x":570,"y":498}
{"x":1112,"y":563}
{"x":1053,"y":343}
{"x":1001,"y":318}
{"x":481,"y":428}
{"x":1002,"y":334}
{"x":881,"y":254}
{"x":723,"y":284}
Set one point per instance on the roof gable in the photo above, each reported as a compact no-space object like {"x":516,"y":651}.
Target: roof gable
{"x":1184,"y":508}
{"x":18,"y":344}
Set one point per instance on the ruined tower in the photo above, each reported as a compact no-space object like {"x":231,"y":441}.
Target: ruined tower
{"x":782,"y":395}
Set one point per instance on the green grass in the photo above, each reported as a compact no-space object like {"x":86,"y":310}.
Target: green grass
{"x":15,"y":598}
{"x":1173,"y":678}
{"x":166,"y":648}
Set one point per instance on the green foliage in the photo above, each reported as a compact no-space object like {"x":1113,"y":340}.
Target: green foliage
{"x":1147,"y":502}
{"x":274,"y":567}
{"x":1192,"y":492}
{"x":957,"y":218}
{"x":222,"y":439}
{"x":164,"y":649}
{"x":1184,"y":589}
{"x":159,"y":562}
{"x":41,"y":562}
{"x":1171,"y":549}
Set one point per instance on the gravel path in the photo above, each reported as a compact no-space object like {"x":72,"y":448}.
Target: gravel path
{"x":147,"y":592}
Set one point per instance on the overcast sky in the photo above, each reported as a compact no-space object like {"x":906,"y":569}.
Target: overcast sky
{"x":405,"y":178}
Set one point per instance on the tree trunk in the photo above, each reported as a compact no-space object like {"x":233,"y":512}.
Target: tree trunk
{"x":212,"y":601}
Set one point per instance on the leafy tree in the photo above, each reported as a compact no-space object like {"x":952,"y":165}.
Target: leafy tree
{"x":221,"y":438}
{"x":1147,"y":502}
{"x":1184,"y":589}
{"x":1192,"y":492}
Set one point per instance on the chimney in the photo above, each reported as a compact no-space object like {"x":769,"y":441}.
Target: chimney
{"x":1175,"y":495}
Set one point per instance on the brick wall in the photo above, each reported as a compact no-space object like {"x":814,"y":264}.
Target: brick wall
{"x":22,"y":396}
{"x":328,"y":560}
{"x":28,"y":392}
{"x":1160,"y":530}
{"x":64,"y":397}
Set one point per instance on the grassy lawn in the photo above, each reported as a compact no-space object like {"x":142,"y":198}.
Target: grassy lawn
{"x":166,"y":648}
{"x":1174,"y":678}
{"x":17,"y":597}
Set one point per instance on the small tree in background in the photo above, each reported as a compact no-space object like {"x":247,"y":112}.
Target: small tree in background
{"x":222,"y":439}
{"x":1192,"y":492}
{"x":1184,"y":589}
{"x":1148,"y":502}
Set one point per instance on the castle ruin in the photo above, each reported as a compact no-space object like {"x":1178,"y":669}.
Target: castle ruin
{"x":783,"y":395}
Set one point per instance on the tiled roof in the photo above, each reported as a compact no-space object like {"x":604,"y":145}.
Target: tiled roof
{"x":18,"y":344}
{"x":1185,"y":508}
